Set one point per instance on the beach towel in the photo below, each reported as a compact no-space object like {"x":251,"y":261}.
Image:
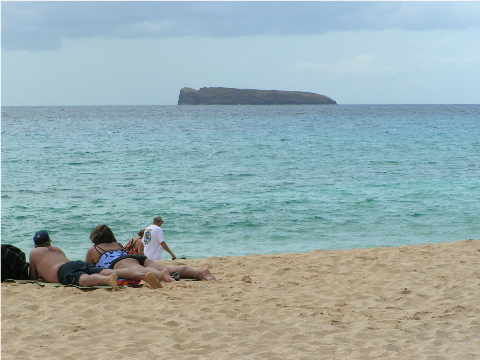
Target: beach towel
{"x":121,"y":283}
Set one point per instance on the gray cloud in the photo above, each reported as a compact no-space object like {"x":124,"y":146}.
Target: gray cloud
{"x":42,"y":25}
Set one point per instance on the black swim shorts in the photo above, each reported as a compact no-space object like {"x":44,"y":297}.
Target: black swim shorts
{"x":70,"y":272}
{"x":140,"y":258}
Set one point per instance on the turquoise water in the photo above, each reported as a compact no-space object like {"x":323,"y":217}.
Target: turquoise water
{"x":239,"y":180}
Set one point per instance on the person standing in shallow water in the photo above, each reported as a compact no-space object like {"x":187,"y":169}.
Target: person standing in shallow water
{"x":107,"y":253}
{"x":154,"y":240}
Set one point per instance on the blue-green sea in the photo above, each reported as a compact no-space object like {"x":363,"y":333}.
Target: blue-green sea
{"x":240,"y":180}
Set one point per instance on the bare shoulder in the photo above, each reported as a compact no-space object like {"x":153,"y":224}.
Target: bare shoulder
{"x":38,"y":251}
{"x":90,"y":252}
{"x":37,"y":255}
{"x":92,"y":255}
{"x":55,"y":249}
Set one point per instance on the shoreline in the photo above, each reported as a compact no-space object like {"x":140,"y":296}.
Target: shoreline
{"x":405,"y":302}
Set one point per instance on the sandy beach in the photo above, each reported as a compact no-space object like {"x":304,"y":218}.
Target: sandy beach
{"x":407,"y":302}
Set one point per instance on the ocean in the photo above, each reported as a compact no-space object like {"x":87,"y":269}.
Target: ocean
{"x":241,"y":180}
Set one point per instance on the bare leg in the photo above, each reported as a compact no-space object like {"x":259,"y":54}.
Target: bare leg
{"x":205,"y":274}
{"x":135,"y":274}
{"x":135,"y":271}
{"x":184,"y":270}
{"x":98,"y":279}
{"x":161,"y":274}
{"x":189,"y":272}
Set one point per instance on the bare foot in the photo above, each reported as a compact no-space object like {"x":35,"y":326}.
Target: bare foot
{"x":164,"y":275}
{"x":206,"y":275}
{"x":152,"y":281}
{"x":112,"y":281}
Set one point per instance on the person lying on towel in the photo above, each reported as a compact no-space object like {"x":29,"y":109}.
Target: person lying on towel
{"x":50,"y":264}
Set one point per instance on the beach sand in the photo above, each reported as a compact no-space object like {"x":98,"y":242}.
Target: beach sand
{"x":407,"y":302}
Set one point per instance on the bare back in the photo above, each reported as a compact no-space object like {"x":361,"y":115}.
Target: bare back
{"x":45,"y":262}
{"x":94,"y":253}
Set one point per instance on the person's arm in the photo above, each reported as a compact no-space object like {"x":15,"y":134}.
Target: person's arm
{"x":89,"y":257}
{"x":161,"y":240}
{"x":33,"y":268}
{"x":140,"y":247}
{"x":167,"y":249}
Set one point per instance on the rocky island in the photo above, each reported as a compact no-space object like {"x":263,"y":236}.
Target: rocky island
{"x":231,"y":96}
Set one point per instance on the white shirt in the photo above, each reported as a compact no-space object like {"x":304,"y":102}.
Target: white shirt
{"x":152,"y":239}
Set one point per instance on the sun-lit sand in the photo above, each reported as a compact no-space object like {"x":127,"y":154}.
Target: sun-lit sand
{"x":408,"y":302}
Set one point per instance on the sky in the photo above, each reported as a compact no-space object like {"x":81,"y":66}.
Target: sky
{"x":63,"y":53}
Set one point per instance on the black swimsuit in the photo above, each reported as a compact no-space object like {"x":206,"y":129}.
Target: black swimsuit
{"x":108,"y":259}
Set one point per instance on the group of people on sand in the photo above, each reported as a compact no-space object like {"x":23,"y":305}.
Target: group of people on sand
{"x":107,"y":260}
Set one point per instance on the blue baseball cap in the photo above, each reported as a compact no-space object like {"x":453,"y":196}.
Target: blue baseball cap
{"x":40,"y":237}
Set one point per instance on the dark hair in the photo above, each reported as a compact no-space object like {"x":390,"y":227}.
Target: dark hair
{"x":43,"y":244}
{"x":141,"y":232}
{"x":102,"y":234}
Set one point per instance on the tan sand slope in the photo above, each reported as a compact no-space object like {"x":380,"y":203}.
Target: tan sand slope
{"x":409,"y":302}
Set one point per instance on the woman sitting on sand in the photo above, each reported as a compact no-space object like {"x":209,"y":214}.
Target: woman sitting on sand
{"x":135,"y":245}
{"x":107,"y":253}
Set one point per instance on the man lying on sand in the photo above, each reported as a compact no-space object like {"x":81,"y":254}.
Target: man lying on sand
{"x":50,"y":264}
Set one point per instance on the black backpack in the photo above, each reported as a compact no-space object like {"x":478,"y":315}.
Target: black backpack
{"x":14,"y":263}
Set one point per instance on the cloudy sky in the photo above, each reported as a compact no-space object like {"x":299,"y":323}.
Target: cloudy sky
{"x":143,"y":53}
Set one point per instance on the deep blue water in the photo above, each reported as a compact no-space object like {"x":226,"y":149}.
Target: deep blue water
{"x":239,"y":180}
